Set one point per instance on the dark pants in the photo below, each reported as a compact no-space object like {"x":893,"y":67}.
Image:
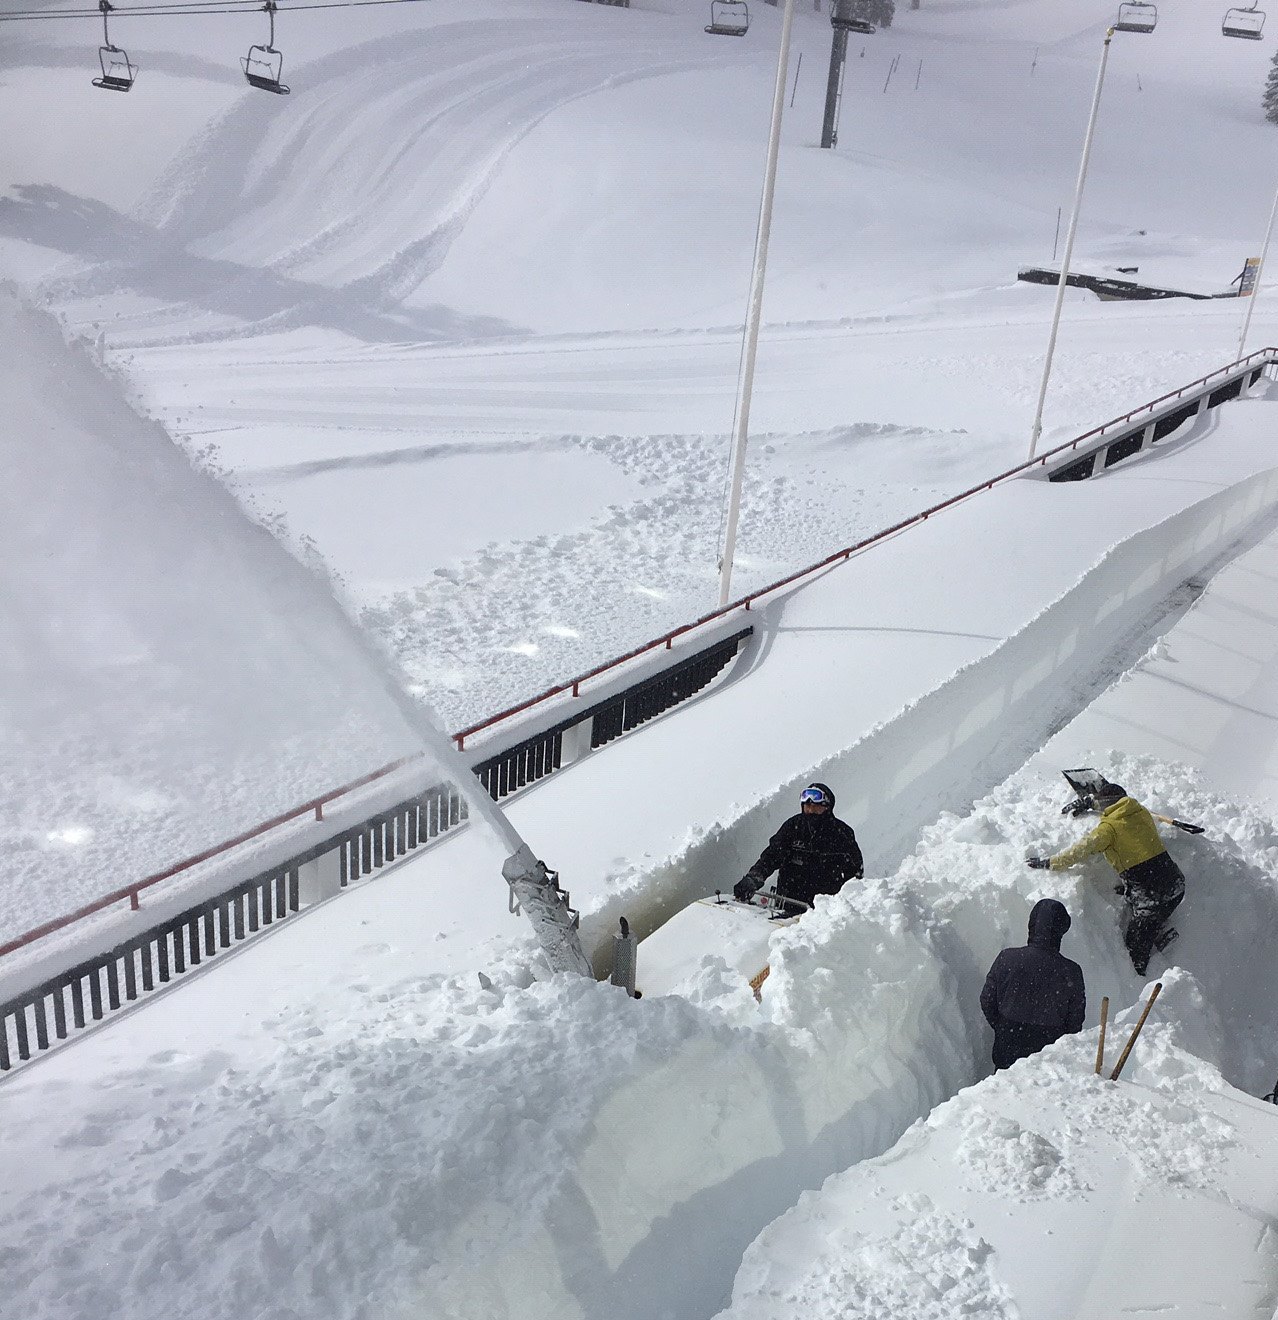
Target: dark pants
{"x":1018,"y":1040}
{"x":1153,"y":891}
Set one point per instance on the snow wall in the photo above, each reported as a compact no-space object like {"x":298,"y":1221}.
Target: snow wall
{"x":959,"y":741}
{"x":869,"y":1016}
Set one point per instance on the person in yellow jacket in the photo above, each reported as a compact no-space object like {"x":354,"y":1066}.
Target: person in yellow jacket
{"x":1152,"y":883}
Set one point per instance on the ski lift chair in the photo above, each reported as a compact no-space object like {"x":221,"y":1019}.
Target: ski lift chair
{"x":263,"y":64}
{"x":117,"y":73}
{"x":1136,"y":16}
{"x":728,"y":18}
{"x":1247,"y":23}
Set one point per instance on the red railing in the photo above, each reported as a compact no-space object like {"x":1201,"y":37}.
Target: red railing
{"x":665,"y":641}
{"x":745,"y":602}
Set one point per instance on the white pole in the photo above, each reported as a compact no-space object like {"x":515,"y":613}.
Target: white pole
{"x":1260,"y":270}
{"x":1069,"y":244}
{"x":754,"y":313}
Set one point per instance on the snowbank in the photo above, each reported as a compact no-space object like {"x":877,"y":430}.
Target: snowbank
{"x":1048,"y":1192}
{"x":439,"y":1148}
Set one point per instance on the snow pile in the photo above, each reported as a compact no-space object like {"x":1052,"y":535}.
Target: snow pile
{"x":435,"y":1147}
{"x":1047,"y":1192}
{"x":170,"y":676}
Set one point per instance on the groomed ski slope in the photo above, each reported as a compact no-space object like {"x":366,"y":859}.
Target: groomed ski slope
{"x":507,"y":246}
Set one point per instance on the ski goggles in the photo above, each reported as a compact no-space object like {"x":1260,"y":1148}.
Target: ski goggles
{"x":814,"y":795}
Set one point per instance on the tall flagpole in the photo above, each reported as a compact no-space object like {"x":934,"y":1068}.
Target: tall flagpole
{"x":1069,"y":243}
{"x":754,"y":314}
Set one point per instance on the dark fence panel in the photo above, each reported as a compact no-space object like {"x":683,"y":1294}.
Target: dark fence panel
{"x":1166,"y":425}
{"x":658,"y":694}
{"x":1119,"y":447}
{"x":1124,"y":447}
{"x":120,"y":976}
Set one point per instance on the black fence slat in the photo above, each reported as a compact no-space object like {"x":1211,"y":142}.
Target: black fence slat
{"x":95,"y":994}
{"x":60,"y":1011}
{"x":77,"y":1001}
{"x":210,"y":932}
{"x":294,"y":895}
{"x":5,"y":1062}
{"x":20,"y":1028}
{"x":41,"y":1022}
{"x":113,"y":983}
{"x":130,"y":973}
{"x":162,"y":956}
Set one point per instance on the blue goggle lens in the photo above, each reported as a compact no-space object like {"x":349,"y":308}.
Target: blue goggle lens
{"x":812,"y":795}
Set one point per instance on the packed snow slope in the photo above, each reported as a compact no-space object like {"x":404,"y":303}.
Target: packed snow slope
{"x":464,"y":309}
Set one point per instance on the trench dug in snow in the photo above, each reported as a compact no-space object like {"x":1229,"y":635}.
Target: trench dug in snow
{"x":523,"y":1152}
{"x":870,"y":1017}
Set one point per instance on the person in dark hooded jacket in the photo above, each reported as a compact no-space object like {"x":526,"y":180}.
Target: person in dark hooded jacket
{"x":813,"y":852}
{"x":1034,"y":995}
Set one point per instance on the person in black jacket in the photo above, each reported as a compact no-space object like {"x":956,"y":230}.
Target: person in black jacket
{"x":813,"y":852}
{"x":1035,"y":995}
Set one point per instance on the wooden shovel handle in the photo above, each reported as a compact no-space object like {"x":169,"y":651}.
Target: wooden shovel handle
{"x":1100,"y":1045}
{"x":1122,"y":1058}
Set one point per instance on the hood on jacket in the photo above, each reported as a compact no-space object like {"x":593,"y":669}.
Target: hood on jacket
{"x":1125,"y":806}
{"x":1048,"y":922}
{"x":829,"y":794}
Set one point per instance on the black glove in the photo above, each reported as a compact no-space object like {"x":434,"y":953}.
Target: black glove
{"x":745,"y":888}
{"x":1079,"y":807}
{"x":1039,"y":863}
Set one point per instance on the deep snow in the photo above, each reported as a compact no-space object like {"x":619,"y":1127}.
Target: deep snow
{"x":511,"y":244}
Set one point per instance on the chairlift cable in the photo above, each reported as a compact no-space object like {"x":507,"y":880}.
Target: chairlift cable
{"x":206,"y":8}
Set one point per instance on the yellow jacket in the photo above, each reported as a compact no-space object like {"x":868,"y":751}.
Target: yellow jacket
{"x":1126,"y":835}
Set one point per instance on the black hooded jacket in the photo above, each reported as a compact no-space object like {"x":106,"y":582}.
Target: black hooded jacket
{"x":1037,"y":985}
{"x":814,"y":854}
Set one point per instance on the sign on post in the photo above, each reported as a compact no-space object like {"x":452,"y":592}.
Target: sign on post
{"x":1247,"y":281}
